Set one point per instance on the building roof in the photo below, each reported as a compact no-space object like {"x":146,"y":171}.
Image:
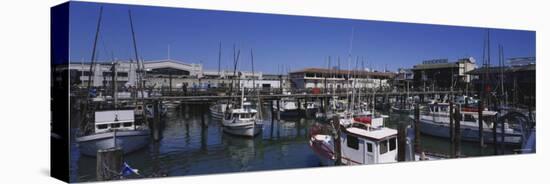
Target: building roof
{"x":442,"y":63}
{"x":346,"y":72}
{"x":507,"y":69}
{"x":434,"y":66}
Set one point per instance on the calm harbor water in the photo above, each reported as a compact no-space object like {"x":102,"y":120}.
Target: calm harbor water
{"x":190,"y":147}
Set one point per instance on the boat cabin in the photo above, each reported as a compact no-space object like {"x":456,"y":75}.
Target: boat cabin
{"x":106,"y":121}
{"x":246,"y":113}
{"x":466,"y":112}
{"x":367,"y":144}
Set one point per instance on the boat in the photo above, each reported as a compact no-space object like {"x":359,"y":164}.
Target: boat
{"x":361,"y":143}
{"x":217,"y":110}
{"x":291,"y":108}
{"x":436,"y":123}
{"x":402,"y":108}
{"x":242,"y":121}
{"x":110,"y":127}
{"x":114,"y":128}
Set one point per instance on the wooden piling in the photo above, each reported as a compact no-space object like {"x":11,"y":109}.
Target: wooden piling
{"x":278,"y":109}
{"x":502,"y":136}
{"x":327,"y":104}
{"x":452,"y":128}
{"x":417,"y":142}
{"x":109,"y":163}
{"x":401,"y":141}
{"x":336,"y":137}
{"x":306,"y":110}
{"x":156,"y":121}
{"x":272,"y":110}
{"x":480,"y":124}
{"x":495,"y":147}
{"x":457,"y":132}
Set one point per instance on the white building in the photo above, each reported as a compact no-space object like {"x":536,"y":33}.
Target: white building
{"x":336,"y":79}
{"x":169,"y":73}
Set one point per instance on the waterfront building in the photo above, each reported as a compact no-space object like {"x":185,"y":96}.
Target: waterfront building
{"x":440,"y":74}
{"x":168,"y":74}
{"x":404,"y":79}
{"x":339,"y":79}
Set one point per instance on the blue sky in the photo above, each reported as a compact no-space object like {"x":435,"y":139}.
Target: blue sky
{"x":294,"y":42}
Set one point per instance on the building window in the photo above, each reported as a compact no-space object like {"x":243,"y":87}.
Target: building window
{"x":393,"y":144}
{"x":353,"y":142}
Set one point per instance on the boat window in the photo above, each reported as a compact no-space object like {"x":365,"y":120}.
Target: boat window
{"x":369,"y":147}
{"x":245,"y":116}
{"x":129,"y":124}
{"x":353,"y":142}
{"x":383,"y":146}
{"x":102,"y":126}
{"x":393,"y":144}
{"x":115,"y":125}
{"x":469,"y":117}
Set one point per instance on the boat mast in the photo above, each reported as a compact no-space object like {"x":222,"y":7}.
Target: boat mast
{"x":235,"y":63}
{"x":259,"y":104}
{"x":242,"y":97}
{"x":113,"y":82}
{"x":501,"y":62}
{"x":94,"y":50}
{"x":349,"y":67}
{"x":139,"y":68}
{"x":86,"y":126}
{"x":219,"y":59}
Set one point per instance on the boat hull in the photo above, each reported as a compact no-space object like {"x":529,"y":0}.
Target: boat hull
{"x":322,"y":149}
{"x":401,"y":111}
{"x":437,"y":129}
{"x":129,"y":141}
{"x":248,"y":130}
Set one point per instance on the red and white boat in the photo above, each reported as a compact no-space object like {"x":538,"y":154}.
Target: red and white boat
{"x":366,"y":141}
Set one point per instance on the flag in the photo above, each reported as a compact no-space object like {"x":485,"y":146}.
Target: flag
{"x":127,"y":170}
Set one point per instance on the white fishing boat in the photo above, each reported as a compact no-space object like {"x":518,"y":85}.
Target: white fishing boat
{"x":366,"y":141}
{"x":361,"y":143}
{"x":114,"y":128}
{"x":243,"y":121}
{"x":436,"y":123}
